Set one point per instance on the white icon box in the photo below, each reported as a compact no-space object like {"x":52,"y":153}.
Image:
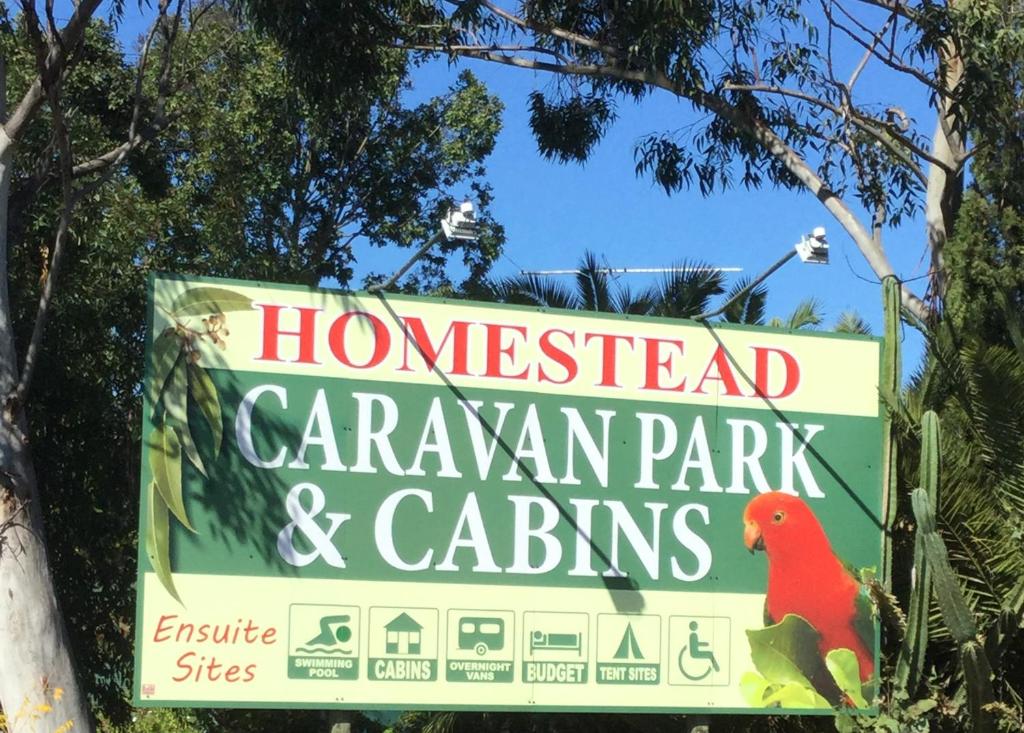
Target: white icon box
{"x":699,"y":649}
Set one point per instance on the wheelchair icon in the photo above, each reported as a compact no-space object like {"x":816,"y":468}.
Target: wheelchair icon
{"x":694,"y":652}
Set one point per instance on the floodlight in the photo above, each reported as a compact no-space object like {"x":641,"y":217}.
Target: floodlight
{"x":813,"y":247}
{"x":461,"y":223}
{"x":456,"y":224}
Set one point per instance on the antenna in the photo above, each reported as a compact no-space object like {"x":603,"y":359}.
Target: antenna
{"x":632,"y":270}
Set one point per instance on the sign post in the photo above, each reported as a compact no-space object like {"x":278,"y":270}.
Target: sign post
{"x":374,"y":501}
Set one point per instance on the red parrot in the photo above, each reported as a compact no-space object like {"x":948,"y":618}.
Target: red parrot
{"x":807,"y":579}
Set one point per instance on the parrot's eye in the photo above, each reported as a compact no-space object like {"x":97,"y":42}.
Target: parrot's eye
{"x":778,"y":517}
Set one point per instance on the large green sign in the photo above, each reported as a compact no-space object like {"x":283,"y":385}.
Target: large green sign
{"x":379,"y":501}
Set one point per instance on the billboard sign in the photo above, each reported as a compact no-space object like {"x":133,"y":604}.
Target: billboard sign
{"x":377,"y":501}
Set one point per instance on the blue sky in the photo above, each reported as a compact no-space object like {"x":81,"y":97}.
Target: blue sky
{"x":553,"y":212}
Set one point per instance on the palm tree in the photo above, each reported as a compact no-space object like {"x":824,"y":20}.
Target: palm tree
{"x":685,"y":292}
{"x":807,"y":314}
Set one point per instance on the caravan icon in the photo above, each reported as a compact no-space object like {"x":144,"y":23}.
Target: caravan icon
{"x":482,"y":634}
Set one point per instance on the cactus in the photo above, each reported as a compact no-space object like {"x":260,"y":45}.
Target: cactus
{"x":910,"y":663}
{"x":956,"y":613}
{"x":889,"y":389}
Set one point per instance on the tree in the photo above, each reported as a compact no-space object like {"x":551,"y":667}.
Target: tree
{"x":265,"y":176}
{"x":38,"y":667}
{"x":683,"y":293}
{"x":973,"y":378}
{"x":197,"y":156}
{"x":785,"y":93}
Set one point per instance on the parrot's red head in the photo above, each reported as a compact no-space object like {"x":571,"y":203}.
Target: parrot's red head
{"x":776,"y":523}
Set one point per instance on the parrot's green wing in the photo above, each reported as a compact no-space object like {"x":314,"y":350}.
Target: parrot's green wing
{"x":865,"y":612}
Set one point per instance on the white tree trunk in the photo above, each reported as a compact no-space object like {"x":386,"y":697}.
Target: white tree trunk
{"x":36,"y":668}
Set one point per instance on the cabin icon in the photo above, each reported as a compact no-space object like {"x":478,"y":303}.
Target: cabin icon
{"x":404,"y":635}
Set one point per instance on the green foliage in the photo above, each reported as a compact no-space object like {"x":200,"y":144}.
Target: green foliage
{"x":171,"y":720}
{"x":255,"y":179}
{"x":851,"y":322}
{"x":791,"y":673}
{"x":683,"y":293}
{"x":568,"y":129}
{"x":295,"y":184}
{"x":157,"y":721}
{"x":749,"y":308}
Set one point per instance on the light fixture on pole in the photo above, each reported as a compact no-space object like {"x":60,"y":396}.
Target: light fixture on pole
{"x":812,"y":249}
{"x":457,"y":224}
{"x":461,"y":223}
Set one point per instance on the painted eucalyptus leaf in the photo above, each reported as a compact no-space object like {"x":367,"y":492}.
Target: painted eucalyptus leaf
{"x":176,"y":407}
{"x":203,"y":301}
{"x":165,"y":462}
{"x":205,"y":395}
{"x":842,"y":665}
{"x":158,"y":540}
{"x":165,"y":353}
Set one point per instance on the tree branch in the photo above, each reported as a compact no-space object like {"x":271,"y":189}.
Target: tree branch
{"x":765,"y":137}
{"x":70,"y":197}
{"x":876,"y":39}
{"x":68,"y":200}
{"x":896,"y":6}
{"x":883,"y":136}
{"x":560,"y":33}
{"x":889,"y":59}
{"x":54,"y":67}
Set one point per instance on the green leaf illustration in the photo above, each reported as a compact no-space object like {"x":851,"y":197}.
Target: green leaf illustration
{"x":753,"y":688}
{"x":203,"y":301}
{"x":176,"y":406}
{"x":786,"y":651}
{"x":787,"y":655}
{"x":165,"y":462}
{"x":165,"y":353}
{"x":205,"y":394}
{"x":843,"y":666}
{"x":158,"y":540}
{"x":796,"y":695}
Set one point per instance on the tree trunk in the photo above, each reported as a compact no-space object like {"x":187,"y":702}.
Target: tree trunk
{"x":37,"y":668}
{"x":38,"y":687}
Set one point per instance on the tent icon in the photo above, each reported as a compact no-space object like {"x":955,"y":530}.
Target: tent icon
{"x":629,"y":648}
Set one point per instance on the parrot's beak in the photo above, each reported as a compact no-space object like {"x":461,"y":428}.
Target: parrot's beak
{"x":752,"y":536}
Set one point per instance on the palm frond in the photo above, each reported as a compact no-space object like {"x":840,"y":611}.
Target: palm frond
{"x":851,"y":322}
{"x":534,"y":290}
{"x":807,"y":314}
{"x":624,"y":301}
{"x":592,"y":284}
{"x":687,"y":290}
{"x":750,"y":307}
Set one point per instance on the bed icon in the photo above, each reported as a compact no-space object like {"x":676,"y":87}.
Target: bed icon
{"x":546,"y":641}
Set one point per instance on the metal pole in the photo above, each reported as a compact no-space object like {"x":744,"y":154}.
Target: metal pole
{"x":405,"y":268}
{"x":753,"y":284}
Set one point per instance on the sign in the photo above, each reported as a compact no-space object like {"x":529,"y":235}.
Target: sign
{"x":380,"y":501}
